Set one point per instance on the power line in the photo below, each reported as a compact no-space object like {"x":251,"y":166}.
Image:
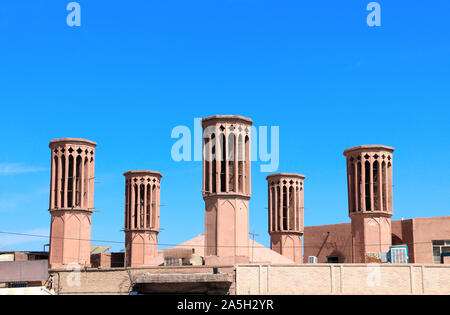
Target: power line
{"x":227,"y":246}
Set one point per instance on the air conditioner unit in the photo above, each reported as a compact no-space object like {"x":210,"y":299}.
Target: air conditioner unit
{"x":312,"y":260}
{"x":384,"y":257}
{"x":398,"y":254}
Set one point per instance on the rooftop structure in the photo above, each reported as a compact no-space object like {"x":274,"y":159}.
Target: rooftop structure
{"x":226,"y":188}
{"x":71,"y":200}
{"x":142,"y":195}
{"x":286,"y":214}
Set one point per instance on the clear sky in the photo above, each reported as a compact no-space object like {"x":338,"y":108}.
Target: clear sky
{"x":136,"y":69}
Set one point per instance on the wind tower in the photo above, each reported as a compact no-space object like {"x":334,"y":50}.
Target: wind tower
{"x":226,"y":188}
{"x":142,"y":202}
{"x":71,"y":201}
{"x":369,"y":181}
{"x":286,"y":208}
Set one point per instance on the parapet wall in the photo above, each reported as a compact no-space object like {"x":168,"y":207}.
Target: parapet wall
{"x":275,"y":279}
{"x":342,"y":279}
{"x":118,"y":281}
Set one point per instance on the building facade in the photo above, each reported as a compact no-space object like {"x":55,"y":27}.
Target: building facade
{"x":427,"y":239}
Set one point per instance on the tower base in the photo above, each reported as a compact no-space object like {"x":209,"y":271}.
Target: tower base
{"x":226,"y":226}
{"x":371,"y":236}
{"x":287,"y":244}
{"x":70,"y":238}
{"x":140,"y":247}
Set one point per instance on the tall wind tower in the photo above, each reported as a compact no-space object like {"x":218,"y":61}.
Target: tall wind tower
{"x":369,"y":181}
{"x":71,"y":201}
{"x":226,"y":188}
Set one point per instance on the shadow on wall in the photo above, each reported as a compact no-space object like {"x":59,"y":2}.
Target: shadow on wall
{"x":336,"y":256}
{"x":397,"y":240}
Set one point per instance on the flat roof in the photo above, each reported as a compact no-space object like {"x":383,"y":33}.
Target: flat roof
{"x":369,"y":147}
{"x":286,"y":175}
{"x":143,"y":172}
{"x":73,"y":140}
{"x":227,"y":117}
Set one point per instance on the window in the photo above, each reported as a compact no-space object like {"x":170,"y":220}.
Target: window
{"x":439,"y":248}
{"x":18,"y":284}
{"x":223,"y":163}
{"x":214,"y":174}
{"x":367,"y":185}
{"x":332,"y":260}
{"x":284,"y":226}
{"x":376,"y":203}
{"x":231,"y":158}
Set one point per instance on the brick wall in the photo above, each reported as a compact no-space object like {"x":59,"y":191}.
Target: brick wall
{"x":336,"y":239}
{"x":328,"y":240}
{"x":277,"y":279}
{"x":343,"y":279}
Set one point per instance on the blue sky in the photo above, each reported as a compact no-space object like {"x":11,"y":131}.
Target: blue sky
{"x":136,"y":69}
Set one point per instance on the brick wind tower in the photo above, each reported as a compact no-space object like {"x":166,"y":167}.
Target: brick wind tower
{"x":226,"y":188}
{"x":369,"y":179}
{"x":71,"y":201}
{"x":142,"y":193}
{"x":286,"y":224}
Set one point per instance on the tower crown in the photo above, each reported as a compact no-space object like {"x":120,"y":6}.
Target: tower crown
{"x":286,"y":214}
{"x":142,"y":193}
{"x":226,"y":155}
{"x":72,"y":174}
{"x":369,"y":179}
{"x":286,"y":202}
{"x":233,"y":119}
